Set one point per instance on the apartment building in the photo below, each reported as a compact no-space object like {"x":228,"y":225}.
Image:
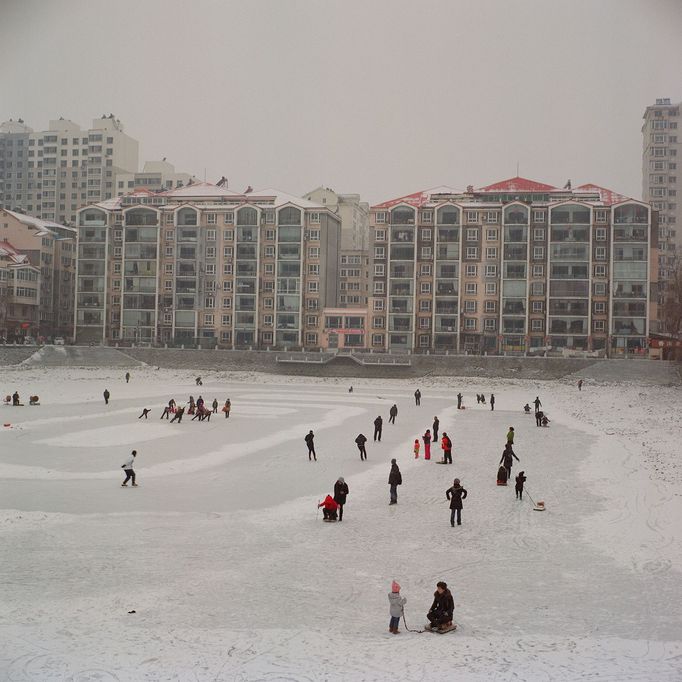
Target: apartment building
{"x":52,"y":173}
{"x":510,"y":267}
{"x":155,"y":176}
{"x":48,"y":249}
{"x":19,"y":294}
{"x":204,"y":265}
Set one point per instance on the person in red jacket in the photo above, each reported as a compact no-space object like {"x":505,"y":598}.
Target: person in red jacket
{"x":329,"y":508}
{"x":446,"y":444}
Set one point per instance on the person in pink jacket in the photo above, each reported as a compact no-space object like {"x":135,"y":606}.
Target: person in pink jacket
{"x":417,"y":445}
{"x":427,"y":444}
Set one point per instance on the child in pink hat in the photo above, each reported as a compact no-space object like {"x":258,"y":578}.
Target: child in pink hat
{"x":396,"y":603}
{"x":417,"y":445}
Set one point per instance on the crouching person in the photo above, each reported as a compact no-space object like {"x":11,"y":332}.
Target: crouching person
{"x":440,"y":614}
{"x":329,"y":508}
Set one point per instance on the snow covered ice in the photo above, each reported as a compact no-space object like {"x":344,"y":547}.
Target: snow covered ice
{"x":232,"y":575}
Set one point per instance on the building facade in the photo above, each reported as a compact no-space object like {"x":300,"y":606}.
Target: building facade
{"x":205,"y":265}
{"x":155,"y":176}
{"x":511,"y":267}
{"x":49,"y":248}
{"x":52,"y":173}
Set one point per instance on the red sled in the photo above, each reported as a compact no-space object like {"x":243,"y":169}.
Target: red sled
{"x":501,"y":476}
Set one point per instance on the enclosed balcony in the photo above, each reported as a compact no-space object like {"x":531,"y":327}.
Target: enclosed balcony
{"x":570,"y":214}
{"x":632,"y":214}
{"x":447,"y":215}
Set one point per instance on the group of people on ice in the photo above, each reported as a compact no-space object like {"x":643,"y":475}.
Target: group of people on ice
{"x":439,"y":615}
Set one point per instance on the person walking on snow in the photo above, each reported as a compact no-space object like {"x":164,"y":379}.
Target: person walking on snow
{"x":127,"y":377}
{"x":443,"y":607}
{"x":340,"y":494}
{"x":378,"y":424}
{"x":226,"y":408}
{"x":435,"y":426}
{"x":520,"y":480}
{"x":446,"y":444}
{"x":507,"y":459}
{"x":417,"y":397}
{"x":360,"y":441}
{"x":456,"y":494}
{"x":144,"y":414}
{"x":416,"y":447}
{"x":394,"y":480}
{"x":427,"y":444}
{"x":537,"y":404}
{"x":106,"y":395}
{"x":215,"y":405}
{"x":393,"y":413}
{"x":492,"y":402}
{"x":396,"y":604}
{"x":580,"y":384}
{"x":510,"y":435}
{"x":309,"y":440}
{"x":459,"y":401}
{"x":128,"y":468}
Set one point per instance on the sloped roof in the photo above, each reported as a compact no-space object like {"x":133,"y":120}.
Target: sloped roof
{"x":418,"y":198}
{"x":37,"y":223}
{"x":607,"y":196}
{"x":282,"y":198}
{"x":200,"y":189}
{"x":517,"y":184}
{"x":14,"y":256}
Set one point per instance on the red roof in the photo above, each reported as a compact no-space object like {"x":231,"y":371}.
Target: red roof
{"x":517,"y":184}
{"x":418,"y":198}
{"x":608,"y":196}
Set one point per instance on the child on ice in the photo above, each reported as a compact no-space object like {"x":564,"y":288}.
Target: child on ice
{"x":417,"y":445}
{"x":396,"y":607}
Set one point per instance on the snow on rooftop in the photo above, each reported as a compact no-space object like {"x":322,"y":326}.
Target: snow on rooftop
{"x":38,"y":223}
{"x":282,"y":198}
{"x":200,"y":189}
{"x":607,"y":196}
{"x":418,"y":199}
{"x":10,"y":252}
{"x":517,"y":184}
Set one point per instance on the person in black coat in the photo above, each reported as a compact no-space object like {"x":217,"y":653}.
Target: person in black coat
{"x":393,"y":413}
{"x":508,"y":458}
{"x":456,"y":494}
{"x":361,"y":440}
{"x":340,"y":492}
{"x":459,"y":401}
{"x":106,"y":395}
{"x":417,"y":397}
{"x":538,"y":417}
{"x":394,"y":480}
{"x":443,"y":607}
{"x":310,"y":442}
{"x":378,"y":425}
{"x":520,"y":480}
{"x":492,"y":401}
{"x":435,"y":426}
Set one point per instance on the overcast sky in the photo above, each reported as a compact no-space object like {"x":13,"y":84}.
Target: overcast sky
{"x":382,"y":98}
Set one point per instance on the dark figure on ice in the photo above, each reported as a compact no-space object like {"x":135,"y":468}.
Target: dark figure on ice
{"x":198,"y":381}
{"x":537,"y":403}
{"x":483,"y":398}
{"x":459,"y":401}
{"x":538,"y":417}
{"x":580,"y":384}
{"x":15,"y":398}
{"x":417,"y":397}
{"x":144,"y":414}
{"x":226,"y":408}
{"x":128,"y":468}
{"x":215,"y":405}
{"x":526,"y":408}
{"x":456,"y":494}
{"x":435,"y":426}
{"x":340,"y":493}
{"x":310,"y":442}
{"x":446,"y":444}
{"x":127,"y":377}
{"x":106,"y":395}
{"x":492,"y":401}
{"x":507,"y":459}
{"x":350,"y":390}
{"x":394,"y":480}
{"x":178,"y":415}
{"x":168,"y":409}
{"x":378,"y":425}
{"x":329,"y":508}
{"x":478,"y":398}
{"x":545,"y":420}
{"x":361,"y":440}
{"x":443,"y":607}
{"x":520,"y":480}
{"x":393,"y":413}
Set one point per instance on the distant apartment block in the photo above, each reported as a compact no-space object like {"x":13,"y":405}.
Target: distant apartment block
{"x":155,"y":176}
{"x":52,"y":173}
{"x":661,"y":181}
{"x":37,"y":276}
{"x":203,"y":265}
{"x":510,"y":267}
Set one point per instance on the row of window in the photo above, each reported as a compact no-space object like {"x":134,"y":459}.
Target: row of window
{"x":478,"y":216}
{"x":227,"y":235}
{"x":491,"y":253}
{"x":491,"y":234}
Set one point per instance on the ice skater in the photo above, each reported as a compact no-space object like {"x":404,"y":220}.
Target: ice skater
{"x":538,"y":417}
{"x":310,"y":442}
{"x":144,"y":414}
{"x":395,"y":479}
{"x":580,"y":384}
{"x":15,"y":399}
{"x":537,"y":403}
{"x":459,"y":401}
{"x":329,"y":508}
{"x":178,"y":415}
{"x":520,"y":480}
{"x":214,"y":405}
{"x":129,"y":471}
{"x":396,"y":604}
{"x":360,"y":441}
{"x":198,"y":381}
{"x":340,"y":494}
{"x":456,"y":494}
{"x":510,"y":435}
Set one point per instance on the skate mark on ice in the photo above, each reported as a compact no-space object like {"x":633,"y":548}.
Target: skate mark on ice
{"x":92,"y":675}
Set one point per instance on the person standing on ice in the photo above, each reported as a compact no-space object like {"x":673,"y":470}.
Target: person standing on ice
{"x":435,"y":425}
{"x":394,"y":480}
{"x":416,"y":447}
{"x":378,"y":425}
{"x":310,"y":442}
{"x":510,"y":435}
{"x":459,"y":401}
{"x":417,"y":397}
{"x":456,"y":494}
{"x":360,"y":441}
{"x":340,"y":494}
{"x":127,"y":466}
{"x":427,"y":444}
{"x":393,"y":413}
{"x":396,"y":603}
{"x":226,"y":408}
{"x":443,"y":607}
{"x":127,"y":377}
{"x":446,"y":444}
{"x":106,"y":395}
{"x":537,"y":403}
{"x":215,"y":405}
{"x":520,"y":480}
{"x":507,"y":459}
{"x":492,"y":402}
{"x":580,"y":384}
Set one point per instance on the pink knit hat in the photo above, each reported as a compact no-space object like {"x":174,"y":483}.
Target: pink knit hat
{"x":395,"y":587}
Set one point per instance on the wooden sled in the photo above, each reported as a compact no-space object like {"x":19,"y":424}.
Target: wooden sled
{"x":441,"y":630}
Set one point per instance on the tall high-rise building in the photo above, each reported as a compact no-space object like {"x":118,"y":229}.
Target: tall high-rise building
{"x":510,"y":267}
{"x":52,"y":173}
{"x":661,"y":180}
{"x":204,"y":265}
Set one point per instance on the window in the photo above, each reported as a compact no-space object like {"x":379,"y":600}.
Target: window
{"x":269,"y":217}
{"x":313,"y":287}
{"x":425,"y":287}
{"x":378,"y":287}
{"x":117,"y":251}
{"x":601,"y":216}
{"x":270,"y":235}
{"x":539,"y":234}
{"x":424,"y":322}
{"x":313,"y":269}
{"x":537,"y":288}
{"x":212,"y":219}
{"x":314,"y":235}
{"x":426,"y":235}
{"x":471,"y":288}
{"x":490,"y":216}
{"x":490,"y":306}
{"x":269,"y":252}
{"x":379,"y":270}
{"x":491,"y":234}
{"x":472,"y":234}
{"x":491,"y":288}
{"x":538,"y":271}
{"x":208,"y":318}
{"x":210,"y":252}
{"x":600,"y":271}
{"x":379,"y":252}
{"x":425,"y":270}
{"x":600,"y":289}
{"x":313,"y":252}
{"x":378,"y":305}
{"x":472,"y":252}
{"x":381,"y":217}
{"x":424,"y":306}
{"x":598,"y":325}
{"x":472,"y":216}
{"x":315,"y":218}
{"x":427,"y":217}
{"x":470,"y":323}
{"x":491,"y":270}
{"x":226,"y":320}
{"x":116,"y":285}
{"x":228,"y":235}
{"x":378,"y":322}
{"x":168,"y":285}
{"x":491,"y":252}
{"x":209,"y":302}
{"x":538,"y":216}
{"x":311,"y":339}
{"x":469,"y":306}
{"x":117,"y":268}
{"x":311,"y":320}
{"x":600,"y":253}
{"x":269,"y":268}
{"x":600,"y":234}
{"x":537,"y":325}
{"x":169,"y":268}
{"x":599,"y":307}
{"x":269,"y":303}
{"x":228,"y":219}
{"x":227,"y":302}
{"x":426,"y":252}
{"x":471,"y":270}
{"x":377,"y":339}
{"x":210,"y":270}
{"x":537,"y":306}
{"x":118,"y":235}
{"x":227,"y":268}
{"x":490,"y":324}
{"x":538,"y":252}
{"x":312,"y":303}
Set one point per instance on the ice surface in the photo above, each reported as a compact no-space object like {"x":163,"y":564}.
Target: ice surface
{"x":232,"y":575}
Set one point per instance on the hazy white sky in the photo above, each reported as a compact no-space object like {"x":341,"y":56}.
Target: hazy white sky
{"x":383,"y":97}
